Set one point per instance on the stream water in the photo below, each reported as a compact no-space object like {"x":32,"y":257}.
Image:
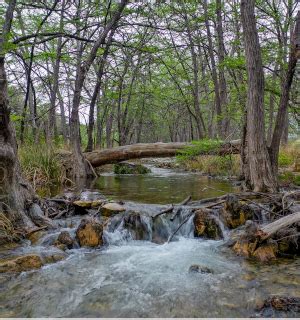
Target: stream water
{"x":129,"y":278}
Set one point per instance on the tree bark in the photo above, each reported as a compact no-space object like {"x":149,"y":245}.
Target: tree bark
{"x":262,"y":177}
{"x":214,"y":72}
{"x":97,"y":90}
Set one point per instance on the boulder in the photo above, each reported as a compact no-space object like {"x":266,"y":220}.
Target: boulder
{"x":235,"y":213}
{"x":206,"y":226}
{"x":196,"y":268}
{"x":89,"y":233}
{"x":22,"y":263}
{"x":64,"y":241}
{"x":130,"y":168}
{"x":111,"y":208}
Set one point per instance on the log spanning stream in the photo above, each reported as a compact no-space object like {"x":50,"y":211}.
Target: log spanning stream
{"x":129,"y":278}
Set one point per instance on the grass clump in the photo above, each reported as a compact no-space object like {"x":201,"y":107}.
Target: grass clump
{"x":40,"y":165}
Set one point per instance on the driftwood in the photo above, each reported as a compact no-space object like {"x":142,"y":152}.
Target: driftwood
{"x":271,"y":228}
{"x":146,"y":150}
{"x":171,"y":207}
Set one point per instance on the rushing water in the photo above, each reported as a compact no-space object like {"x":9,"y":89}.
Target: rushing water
{"x":129,"y":278}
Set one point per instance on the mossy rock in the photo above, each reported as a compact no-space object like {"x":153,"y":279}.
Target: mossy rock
{"x":130,"y":168}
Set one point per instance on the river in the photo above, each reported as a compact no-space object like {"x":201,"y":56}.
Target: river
{"x":130,"y":278}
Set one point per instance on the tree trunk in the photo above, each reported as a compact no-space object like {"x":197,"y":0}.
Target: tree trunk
{"x":262,"y":177}
{"x":80,"y":167}
{"x":96,"y":91}
{"x":54,"y":89}
{"x":222,"y":79}
{"x":14,"y":190}
{"x":214,"y":72}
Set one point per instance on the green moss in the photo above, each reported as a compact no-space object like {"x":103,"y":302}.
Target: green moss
{"x":128,"y":168}
{"x":201,"y":147}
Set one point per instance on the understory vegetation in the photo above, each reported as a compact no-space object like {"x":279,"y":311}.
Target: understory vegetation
{"x":197,"y":158}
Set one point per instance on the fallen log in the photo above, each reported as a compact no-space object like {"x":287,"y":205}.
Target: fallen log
{"x":271,"y":228}
{"x":150,"y":150}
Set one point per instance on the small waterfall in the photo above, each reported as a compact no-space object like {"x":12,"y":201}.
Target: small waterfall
{"x":115,"y":233}
{"x":223,"y":228}
{"x":134,"y":225}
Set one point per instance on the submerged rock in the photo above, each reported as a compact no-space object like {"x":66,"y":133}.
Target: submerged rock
{"x":22,"y":263}
{"x":130,"y":168}
{"x":206,"y":226}
{"x":111,"y":208}
{"x":89,"y":233}
{"x":196,"y":268}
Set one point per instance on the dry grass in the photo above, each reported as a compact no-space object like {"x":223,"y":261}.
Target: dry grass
{"x":7,"y":231}
{"x":214,"y":165}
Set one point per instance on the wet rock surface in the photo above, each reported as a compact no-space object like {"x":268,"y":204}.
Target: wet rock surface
{"x":235,"y":212}
{"x":23,"y":263}
{"x":89,"y":233}
{"x":64,"y":241}
{"x":111,"y":208}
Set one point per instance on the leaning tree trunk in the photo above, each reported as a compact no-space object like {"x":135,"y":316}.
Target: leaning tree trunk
{"x":81,"y":169}
{"x":286,"y":85}
{"x":262,"y":177}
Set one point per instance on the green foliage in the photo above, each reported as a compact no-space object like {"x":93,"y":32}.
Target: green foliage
{"x":289,"y":177}
{"x":200,"y":147}
{"x":285,"y":159}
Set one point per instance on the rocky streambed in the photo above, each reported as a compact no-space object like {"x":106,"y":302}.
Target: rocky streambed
{"x":108,"y":258}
